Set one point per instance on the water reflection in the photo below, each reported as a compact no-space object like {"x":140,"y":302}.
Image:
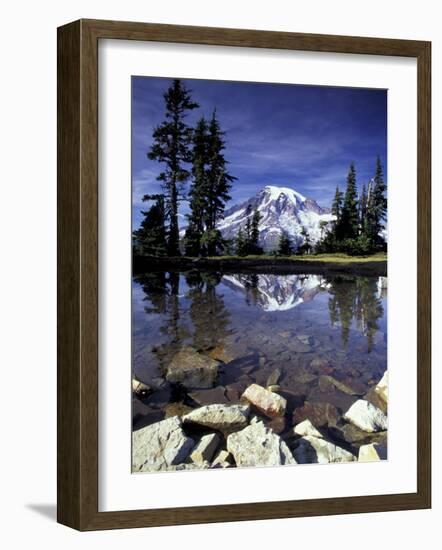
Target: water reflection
{"x":196,"y":308}
{"x":276,"y":292}
{"x":207,"y":311}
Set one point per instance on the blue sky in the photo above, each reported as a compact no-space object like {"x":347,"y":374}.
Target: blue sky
{"x":303,"y":137}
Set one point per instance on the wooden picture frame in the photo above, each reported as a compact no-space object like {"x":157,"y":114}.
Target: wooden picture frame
{"x":78,"y":274}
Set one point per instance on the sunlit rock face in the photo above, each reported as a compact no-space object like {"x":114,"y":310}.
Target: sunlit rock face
{"x":276,"y":292}
{"x":283,"y":210}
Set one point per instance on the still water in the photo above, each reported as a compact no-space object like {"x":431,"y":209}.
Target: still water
{"x":300,"y":326}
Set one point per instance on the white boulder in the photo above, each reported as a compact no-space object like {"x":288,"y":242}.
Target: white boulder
{"x":225,"y":418}
{"x":366,"y":416}
{"x":269,"y":403}
{"x":372,"y":452}
{"x":256,"y":445}
{"x":160,"y":445}
{"x":311,"y":449}
{"x":306,"y":428}
{"x":381,"y":387}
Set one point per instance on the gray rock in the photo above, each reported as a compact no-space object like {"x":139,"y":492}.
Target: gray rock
{"x":140,"y":388}
{"x":366,"y":416}
{"x":306,"y":428}
{"x":372,"y":452}
{"x":256,"y":445}
{"x":373,"y":397}
{"x":192,"y":369}
{"x":311,"y":449}
{"x":160,"y":445}
{"x":205,"y":448}
{"x":353,"y":434}
{"x":176,"y":409}
{"x":381,"y":387}
{"x":267,"y":402}
{"x":225,"y":418}
{"x":190,"y":466}
{"x":320,"y":414}
{"x":222,"y":460}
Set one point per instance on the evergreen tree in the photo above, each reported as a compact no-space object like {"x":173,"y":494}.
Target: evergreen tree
{"x":348,"y":224}
{"x":218,"y":184}
{"x":363,"y":210}
{"x":285,"y":247}
{"x":305,"y":248}
{"x":376,"y":208}
{"x":171,"y":147}
{"x":241,"y":246}
{"x":336,"y":208}
{"x":150,"y":238}
{"x":254,"y":247}
{"x":197,"y":202}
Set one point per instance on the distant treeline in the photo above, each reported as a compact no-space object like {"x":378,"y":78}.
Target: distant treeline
{"x":359,"y":220}
{"x":196,"y":154}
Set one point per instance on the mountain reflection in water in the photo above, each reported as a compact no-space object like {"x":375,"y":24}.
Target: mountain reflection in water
{"x":287,"y":320}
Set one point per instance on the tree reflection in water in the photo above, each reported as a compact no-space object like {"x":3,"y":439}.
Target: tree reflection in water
{"x":203,"y":318}
{"x":355,"y":298}
{"x":210,"y":318}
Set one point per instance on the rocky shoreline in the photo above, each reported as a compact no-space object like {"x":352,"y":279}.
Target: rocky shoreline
{"x":265,"y":425}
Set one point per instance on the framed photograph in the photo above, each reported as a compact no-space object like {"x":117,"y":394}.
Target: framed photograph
{"x":243,"y":275}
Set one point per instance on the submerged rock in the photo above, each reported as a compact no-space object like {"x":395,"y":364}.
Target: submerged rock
{"x":321,"y":365}
{"x":207,"y":397}
{"x":267,"y":402}
{"x":298,"y":346}
{"x":320,"y":414}
{"x":160,"y":445}
{"x":274,"y":377}
{"x":327,"y":380}
{"x":192,"y":369}
{"x":306,"y":428}
{"x":220,"y":353}
{"x":372,"y":452}
{"x":225,"y":418}
{"x":205,"y":448}
{"x":311,"y":449}
{"x":366,"y":416}
{"x":256,"y":445}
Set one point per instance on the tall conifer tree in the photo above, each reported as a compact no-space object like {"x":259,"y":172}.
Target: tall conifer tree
{"x":150,"y":238}
{"x":349,"y":218}
{"x":171,"y":147}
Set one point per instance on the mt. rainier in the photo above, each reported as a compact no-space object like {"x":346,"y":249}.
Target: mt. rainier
{"x":283,"y":210}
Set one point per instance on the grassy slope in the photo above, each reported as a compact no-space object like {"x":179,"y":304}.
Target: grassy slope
{"x":326,"y":258}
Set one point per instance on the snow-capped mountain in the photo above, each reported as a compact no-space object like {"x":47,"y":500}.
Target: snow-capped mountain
{"x":283,"y":210}
{"x":277,"y":293}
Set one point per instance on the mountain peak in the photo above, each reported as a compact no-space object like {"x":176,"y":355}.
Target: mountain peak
{"x":283,"y":211}
{"x":275,"y":192}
